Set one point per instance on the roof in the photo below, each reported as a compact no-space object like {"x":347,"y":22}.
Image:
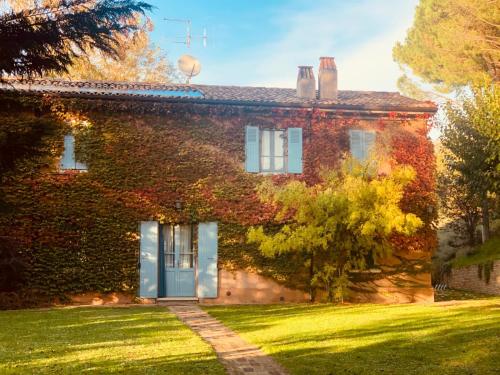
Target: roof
{"x":242,"y":95}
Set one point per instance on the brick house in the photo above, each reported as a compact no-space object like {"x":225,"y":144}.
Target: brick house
{"x":154,"y":185}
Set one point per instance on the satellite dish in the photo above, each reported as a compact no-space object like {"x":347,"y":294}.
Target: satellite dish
{"x":189,"y":66}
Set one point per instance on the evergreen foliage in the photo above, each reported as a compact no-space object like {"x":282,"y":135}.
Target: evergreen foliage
{"x":47,"y":37}
{"x":453,"y":43}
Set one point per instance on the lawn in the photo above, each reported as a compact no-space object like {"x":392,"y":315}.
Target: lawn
{"x":444,"y":338}
{"x":136,"y":340}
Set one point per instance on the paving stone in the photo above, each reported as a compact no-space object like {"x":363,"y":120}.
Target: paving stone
{"x":236,"y":355}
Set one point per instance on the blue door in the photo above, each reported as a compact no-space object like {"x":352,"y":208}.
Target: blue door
{"x":179,"y":261}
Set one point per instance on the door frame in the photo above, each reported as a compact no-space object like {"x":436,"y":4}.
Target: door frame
{"x":162,"y":269}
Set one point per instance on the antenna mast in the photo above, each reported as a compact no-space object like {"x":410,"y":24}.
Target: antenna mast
{"x":189,"y":37}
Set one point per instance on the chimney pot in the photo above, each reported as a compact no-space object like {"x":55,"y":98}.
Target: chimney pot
{"x":306,"y":84}
{"x":327,"y":78}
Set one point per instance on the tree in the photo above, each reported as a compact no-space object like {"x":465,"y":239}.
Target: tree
{"x":458,"y":201}
{"x":471,"y":136}
{"x":453,"y":43}
{"x":137,"y":60}
{"x":48,"y":37}
{"x":340,"y":222}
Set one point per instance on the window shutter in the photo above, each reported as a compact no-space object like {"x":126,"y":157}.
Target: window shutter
{"x":149,"y":246}
{"x":252,"y":149}
{"x":68,"y":156}
{"x":356,"y":144}
{"x":368,"y":143}
{"x":295,"y":150}
{"x":207,"y":260}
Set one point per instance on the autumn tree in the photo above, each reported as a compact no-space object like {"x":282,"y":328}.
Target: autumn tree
{"x":453,"y":43}
{"x":471,"y":136}
{"x":340,"y":222}
{"x":137,"y":60}
{"x":47,"y":37}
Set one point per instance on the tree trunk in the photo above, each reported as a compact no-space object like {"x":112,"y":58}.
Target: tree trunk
{"x":470,"y":224}
{"x":312,"y":290}
{"x":340,"y":274}
{"x":485,"y":219}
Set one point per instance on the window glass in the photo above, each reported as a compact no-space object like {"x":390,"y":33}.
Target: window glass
{"x":185,"y":248}
{"x":279,"y":143}
{"x":266,"y":163}
{"x":169,"y":248}
{"x":279,"y":163}
{"x":266,"y":143}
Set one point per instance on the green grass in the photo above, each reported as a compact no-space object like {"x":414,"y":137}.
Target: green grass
{"x":445,"y":338}
{"x":136,"y":340}
{"x":486,"y":252}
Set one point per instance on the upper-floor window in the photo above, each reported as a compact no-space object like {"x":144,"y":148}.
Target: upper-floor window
{"x":68,"y":159}
{"x":361,"y":143}
{"x":273,"y":150}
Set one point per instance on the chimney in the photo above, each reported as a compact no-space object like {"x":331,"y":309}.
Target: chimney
{"x":327,"y":78}
{"x":306,"y":84}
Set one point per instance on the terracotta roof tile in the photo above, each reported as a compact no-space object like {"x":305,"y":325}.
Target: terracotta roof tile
{"x":370,"y":100}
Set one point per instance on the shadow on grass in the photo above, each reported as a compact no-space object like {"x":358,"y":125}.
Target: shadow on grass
{"x":373,"y":339}
{"x":103,"y":340}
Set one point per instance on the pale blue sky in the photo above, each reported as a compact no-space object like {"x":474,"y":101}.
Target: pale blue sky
{"x":260,"y":43}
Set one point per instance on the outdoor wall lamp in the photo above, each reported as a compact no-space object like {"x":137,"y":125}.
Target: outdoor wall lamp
{"x":178,"y":205}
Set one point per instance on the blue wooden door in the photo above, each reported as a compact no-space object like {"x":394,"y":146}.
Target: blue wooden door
{"x":179,"y":261}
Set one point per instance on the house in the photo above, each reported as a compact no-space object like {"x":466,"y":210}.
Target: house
{"x":154,"y":186}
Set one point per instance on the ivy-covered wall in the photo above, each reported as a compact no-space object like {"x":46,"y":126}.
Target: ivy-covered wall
{"x":79,"y":231}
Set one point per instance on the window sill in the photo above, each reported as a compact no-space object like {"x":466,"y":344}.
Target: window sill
{"x":72,"y":171}
{"x":370,"y":270}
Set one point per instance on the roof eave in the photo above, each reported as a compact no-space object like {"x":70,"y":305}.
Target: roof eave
{"x":331,"y":107}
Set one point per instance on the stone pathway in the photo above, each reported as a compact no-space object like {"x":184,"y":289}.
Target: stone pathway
{"x":237,"y":356}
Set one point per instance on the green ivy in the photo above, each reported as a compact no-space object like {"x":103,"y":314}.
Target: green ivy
{"x":80,"y":230}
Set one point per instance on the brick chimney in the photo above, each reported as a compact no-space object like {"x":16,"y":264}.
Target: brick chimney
{"x":327,"y":78}
{"x":306,"y":84}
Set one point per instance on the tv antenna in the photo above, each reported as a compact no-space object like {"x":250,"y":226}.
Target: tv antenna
{"x":189,"y":37}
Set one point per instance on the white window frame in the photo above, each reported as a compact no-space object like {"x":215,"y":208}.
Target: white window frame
{"x":272,"y":157}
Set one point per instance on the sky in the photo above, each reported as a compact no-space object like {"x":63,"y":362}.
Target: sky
{"x":261,"y":43}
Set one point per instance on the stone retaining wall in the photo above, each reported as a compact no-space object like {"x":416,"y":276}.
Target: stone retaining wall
{"x":467,"y":278}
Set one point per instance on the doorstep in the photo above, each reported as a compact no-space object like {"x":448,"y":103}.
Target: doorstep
{"x":176,"y":301}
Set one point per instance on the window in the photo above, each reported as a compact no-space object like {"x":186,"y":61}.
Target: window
{"x":362,"y":143}
{"x":178,"y":245}
{"x":68,"y":160}
{"x":273,"y":150}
